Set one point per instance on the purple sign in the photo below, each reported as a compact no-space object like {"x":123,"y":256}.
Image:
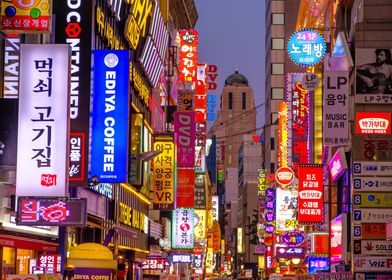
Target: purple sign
{"x":185,"y":137}
{"x":337,"y":164}
{"x":269,"y":216}
{"x":293,"y":238}
{"x":92,"y":273}
{"x":259,"y":249}
{"x":270,"y":204}
{"x":270,"y":192}
{"x":290,"y":252}
{"x":269,"y":228}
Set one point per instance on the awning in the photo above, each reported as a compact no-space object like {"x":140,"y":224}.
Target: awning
{"x":27,"y":243}
{"x":91,"y":255}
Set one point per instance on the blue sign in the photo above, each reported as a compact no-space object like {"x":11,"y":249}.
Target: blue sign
{"x":306,"y":47}
{"x":109,"y":141}
{"x":317,"y":264}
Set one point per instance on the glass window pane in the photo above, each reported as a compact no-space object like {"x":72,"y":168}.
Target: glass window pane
{"x":277,"y":93}
{"x":277,"y":69}
{"x":278,"y":44}
{"x":277,"y":18}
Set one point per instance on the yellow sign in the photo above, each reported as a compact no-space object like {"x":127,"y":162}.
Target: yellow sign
{"x":164,"y":169}
{"x":216,"y":237}
{"x":131,"y":217}
{"x":283,"y":133}
{"x":261,"y":262}
{"x":107,"y":31}
{"x":136,"y":24}
{"x":240,"y":245}
{"x":139,"y":83}
{"x":200,"y":228}
{"x":378,"y":200}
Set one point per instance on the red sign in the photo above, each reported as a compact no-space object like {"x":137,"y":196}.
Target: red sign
{"x":49,"y":262}
{"x":373,"y":231}
{"x":373,"y":123}
{"x":188,"y":55}
{"x":27,"y":243}
{"x":284,"y":176}
{"x":310,"y":194}
{"x":185,"y":195}
{"x":154,"y":264}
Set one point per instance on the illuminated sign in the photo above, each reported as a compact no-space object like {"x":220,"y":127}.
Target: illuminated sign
{"x":337,"y":164}
{"x":373,"y":123}
{"x":163,"y":179}
{"x":182,"y":228}
{"x":212,"y":74}
{"x":240,"y":245}
{"x":373,"y":247}
{"x":201,"y":222}
{"x":310,"y":81}
{"x":136,"y":24}
{"x":262,"y":181}
{"x":338,"y":238}
{"x":139,"y":83}
{"x":185,"y":101}
{"x":43,"y":121}
{"x":293,"y":238}
{"x":154,"y":264}
{"x":284,"y":176}
{"x":283,"y":134}
{"x":211,"y":98}
{"x":200,"y":192}
{"x":11,"y":67}
{"x":104,"y":189}
{"x":319,"y":243}
{"x":197,"y":261}
{"x":310,"y":194}
{"x":215,"y":207}
{"x":378,"y":200}
{"x":185,"y":192}
{"x":185,"y":137}
{"x":373,"y":231}
{"x":21,"y":16}
{"x":39,"y":211}
{"x":286,"y":209}
{"x":316,"y":264}
{"x":49,"y":262}
{"x":290,"y":252}
{"x":106,"y":29}
{"x":372,"y":263}
{"x":110,"y":116}
{"x":188,"y":55}
{"x":216,"y":236}
{"x":131,"y":217}
{"x":372,"y":215}
{"x":200,"y":161}
{"x":306,"y":47}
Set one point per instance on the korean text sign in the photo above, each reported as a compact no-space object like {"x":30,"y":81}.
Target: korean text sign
{"x":373,"y":123}
{"x":110,"y":116}
{"x":182,"y":228}
{"x":310,"y":194}
{"x":43,"y":130}
{"x":188,"y":55}
{"x":185,"y":133}
{"x":164,"y":163}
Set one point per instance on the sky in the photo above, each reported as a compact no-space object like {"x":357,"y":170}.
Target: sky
{"x":231,"y":34}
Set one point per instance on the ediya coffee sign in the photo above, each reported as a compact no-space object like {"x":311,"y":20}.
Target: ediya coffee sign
{"x":373,"y":123}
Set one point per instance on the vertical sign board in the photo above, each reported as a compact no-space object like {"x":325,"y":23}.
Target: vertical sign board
{"x":310,"y":194}
{"x":182,"y":228}
{"x":110,"y":116}
{"x":201,"y":223}
{"x":25,"y":16}
{"x":338,"y":242}
{"x":43,"y":125}
{"x":185,"y":192}
{"x":335,"y":108}
{"x":200,"y":192}
{"x":73,"y":26}
{"x":163,"y":179}
{"x":284,"y":152}
{"x":286,"y":209}
{"x":184,"y":131}
{"x":11,"y":66}
{"x":188,"y":55}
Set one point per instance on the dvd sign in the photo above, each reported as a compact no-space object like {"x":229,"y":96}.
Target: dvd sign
{"x":373,"y":123}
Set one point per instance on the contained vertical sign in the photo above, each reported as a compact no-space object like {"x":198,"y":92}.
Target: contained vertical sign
{"x":43,"y":121}
{"x":110,"y":116}
{"x":188,"y":55}
{"x":310,"y":194}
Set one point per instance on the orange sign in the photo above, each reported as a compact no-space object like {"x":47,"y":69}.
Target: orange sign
{"x":373,"y":231}
{"x":188,"y":55}
{"x":283,"y":134}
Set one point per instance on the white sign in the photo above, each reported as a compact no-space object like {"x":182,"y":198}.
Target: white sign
{"x":215,"y":207}
{"x":362,"y":264}
{"x":372,"y":184}
{"x":376,"y":247}
{"x":43,"y":131}
{"x":372,"y":215}
{"x":310,"y":81}
{"x":286,"y":208}
{"x":182,"y":231}
{"x":335,"y":108}
{"x":372,"y":168}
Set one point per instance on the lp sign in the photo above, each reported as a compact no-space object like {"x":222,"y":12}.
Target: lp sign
{"x":335,"y":104}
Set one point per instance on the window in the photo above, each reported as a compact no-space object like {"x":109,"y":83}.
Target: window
{"x":277,"y":68}
{"x":278,"y":44}
{"x":277,"y":18}
{"x":272,"y":143}
{"x":272,"y":167}
{"x":230,"y":100}
{"x":277,"y":93}
{"x":244,"y":101}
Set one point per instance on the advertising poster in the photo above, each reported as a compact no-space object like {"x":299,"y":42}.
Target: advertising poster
{"x":185,"y":193}
{"x":185,"y":137}
{"x":338,"y":242}
{"x":372,"y":86}
{"x":43,"y":130}
{"x":335,"y":108}
{"x":286,"y":209}
{"x":110,"y":113}
{"x":183,"y":228}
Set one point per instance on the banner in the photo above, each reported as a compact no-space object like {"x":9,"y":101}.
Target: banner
{"x":182,"y":228}
{"x":335,"y":108}
{"x":110,"y":113}
{"x":373,"y":123}
{"x":371,"y":85}
{"x":185,"y":137}
{"x":188,"y":55}
{"x":73,"y":26}
{"x":185,"y":194}
{"x":163,"y":179}
{"x":43,"y":129}
{"x":310,"y":194}
{"x":286,"y":209}
{"x":200,"y":192}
